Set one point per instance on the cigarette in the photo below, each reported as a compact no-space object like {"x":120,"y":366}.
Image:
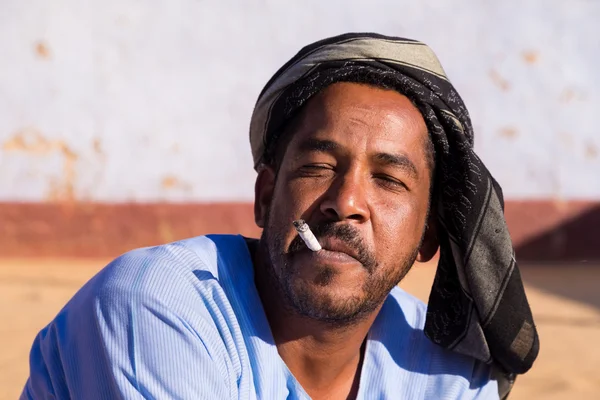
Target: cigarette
{"x":306,"y":234}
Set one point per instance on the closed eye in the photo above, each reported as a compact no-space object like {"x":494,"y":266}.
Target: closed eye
{"x":390,"y":182}
{"x":316,"y":170}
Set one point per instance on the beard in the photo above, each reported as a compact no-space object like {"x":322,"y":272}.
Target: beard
{"x":308,"y":299}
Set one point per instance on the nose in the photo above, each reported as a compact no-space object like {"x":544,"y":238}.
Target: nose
{"x":346,"y":199}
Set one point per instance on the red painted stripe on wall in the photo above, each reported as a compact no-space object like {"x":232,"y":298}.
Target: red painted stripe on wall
{"x":541,"y":229}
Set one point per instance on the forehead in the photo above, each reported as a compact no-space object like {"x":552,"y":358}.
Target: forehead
{"x":362,"y":118}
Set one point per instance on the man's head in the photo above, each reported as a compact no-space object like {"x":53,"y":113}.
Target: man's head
{"x":356,"y":164}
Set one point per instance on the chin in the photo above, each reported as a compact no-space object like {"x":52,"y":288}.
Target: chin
{"x":331,"y":303}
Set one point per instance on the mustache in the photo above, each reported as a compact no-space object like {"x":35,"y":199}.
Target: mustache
{"x":343,"y":232}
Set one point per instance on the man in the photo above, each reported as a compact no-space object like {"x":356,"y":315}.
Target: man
{"x":364,"y":138}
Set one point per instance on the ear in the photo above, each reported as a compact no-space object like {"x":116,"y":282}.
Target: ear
{"x":263,"y":194}
{"x":430,"y":244}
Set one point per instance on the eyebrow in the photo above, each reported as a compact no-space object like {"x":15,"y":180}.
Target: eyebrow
{"x":399,"y":161}
{"x":319,"y":145}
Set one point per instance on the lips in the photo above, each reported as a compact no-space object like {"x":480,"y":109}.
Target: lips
{"x":334,"y":252}
{"x":334,"y":245}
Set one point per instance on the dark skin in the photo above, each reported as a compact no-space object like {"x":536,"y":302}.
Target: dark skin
{"x":355,"y":168}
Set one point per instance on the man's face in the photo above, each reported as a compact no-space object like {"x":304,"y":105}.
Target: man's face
{"x":355,"y":169}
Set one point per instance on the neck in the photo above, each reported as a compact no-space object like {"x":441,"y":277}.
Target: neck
{"x":325,"y":358}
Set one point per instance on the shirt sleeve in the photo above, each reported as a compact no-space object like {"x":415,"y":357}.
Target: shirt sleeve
{"x":137,"y":330}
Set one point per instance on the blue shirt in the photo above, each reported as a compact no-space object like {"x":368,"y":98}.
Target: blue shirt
{"x":184,"y":321}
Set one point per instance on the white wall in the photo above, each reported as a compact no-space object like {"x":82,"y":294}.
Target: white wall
{"x":119,"y":100}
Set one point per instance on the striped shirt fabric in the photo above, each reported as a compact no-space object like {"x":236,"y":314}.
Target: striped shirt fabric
{"x":185,"y":321}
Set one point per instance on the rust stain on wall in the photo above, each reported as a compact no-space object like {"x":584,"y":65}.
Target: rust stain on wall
{"x":33,"y":143}
{"x":591,"y":151}
{"x":566,"y":139}
{"x":42,"y":50}
{"x":172,"y":182}
{"x":166,"y":232}
{"x":499,"y":81}
{"x":530,"y":56}
{"x":97,"y":145}
{"x":509,"y":132}
{"x":570,"y":94}
{"x":169,"y":182}
{"x":567,"y":95}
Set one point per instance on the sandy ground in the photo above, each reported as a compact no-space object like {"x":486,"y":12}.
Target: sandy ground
{"x":565,"y":301}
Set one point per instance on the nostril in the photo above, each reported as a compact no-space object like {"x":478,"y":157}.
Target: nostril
{"x":330,"y":213}
{"x":356,"y":217}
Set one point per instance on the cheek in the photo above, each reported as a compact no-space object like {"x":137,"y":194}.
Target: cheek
{"x":397,"y":226}
{"x":296,"y":198}
{"x":290,"y":202}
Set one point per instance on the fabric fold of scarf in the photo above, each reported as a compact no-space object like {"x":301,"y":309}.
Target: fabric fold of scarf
{"x":477,"y":304}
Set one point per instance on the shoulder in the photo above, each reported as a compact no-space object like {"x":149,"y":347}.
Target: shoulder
{"x":173,"y":264}
{"x":399,"y":329}
{"x":176,"y":275}
{"x":177,"y":257}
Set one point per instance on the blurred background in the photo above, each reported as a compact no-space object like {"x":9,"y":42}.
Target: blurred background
{"x":125,"y":124}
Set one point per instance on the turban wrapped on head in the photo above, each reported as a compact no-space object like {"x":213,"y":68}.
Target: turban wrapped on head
{"x":477,"y":304}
